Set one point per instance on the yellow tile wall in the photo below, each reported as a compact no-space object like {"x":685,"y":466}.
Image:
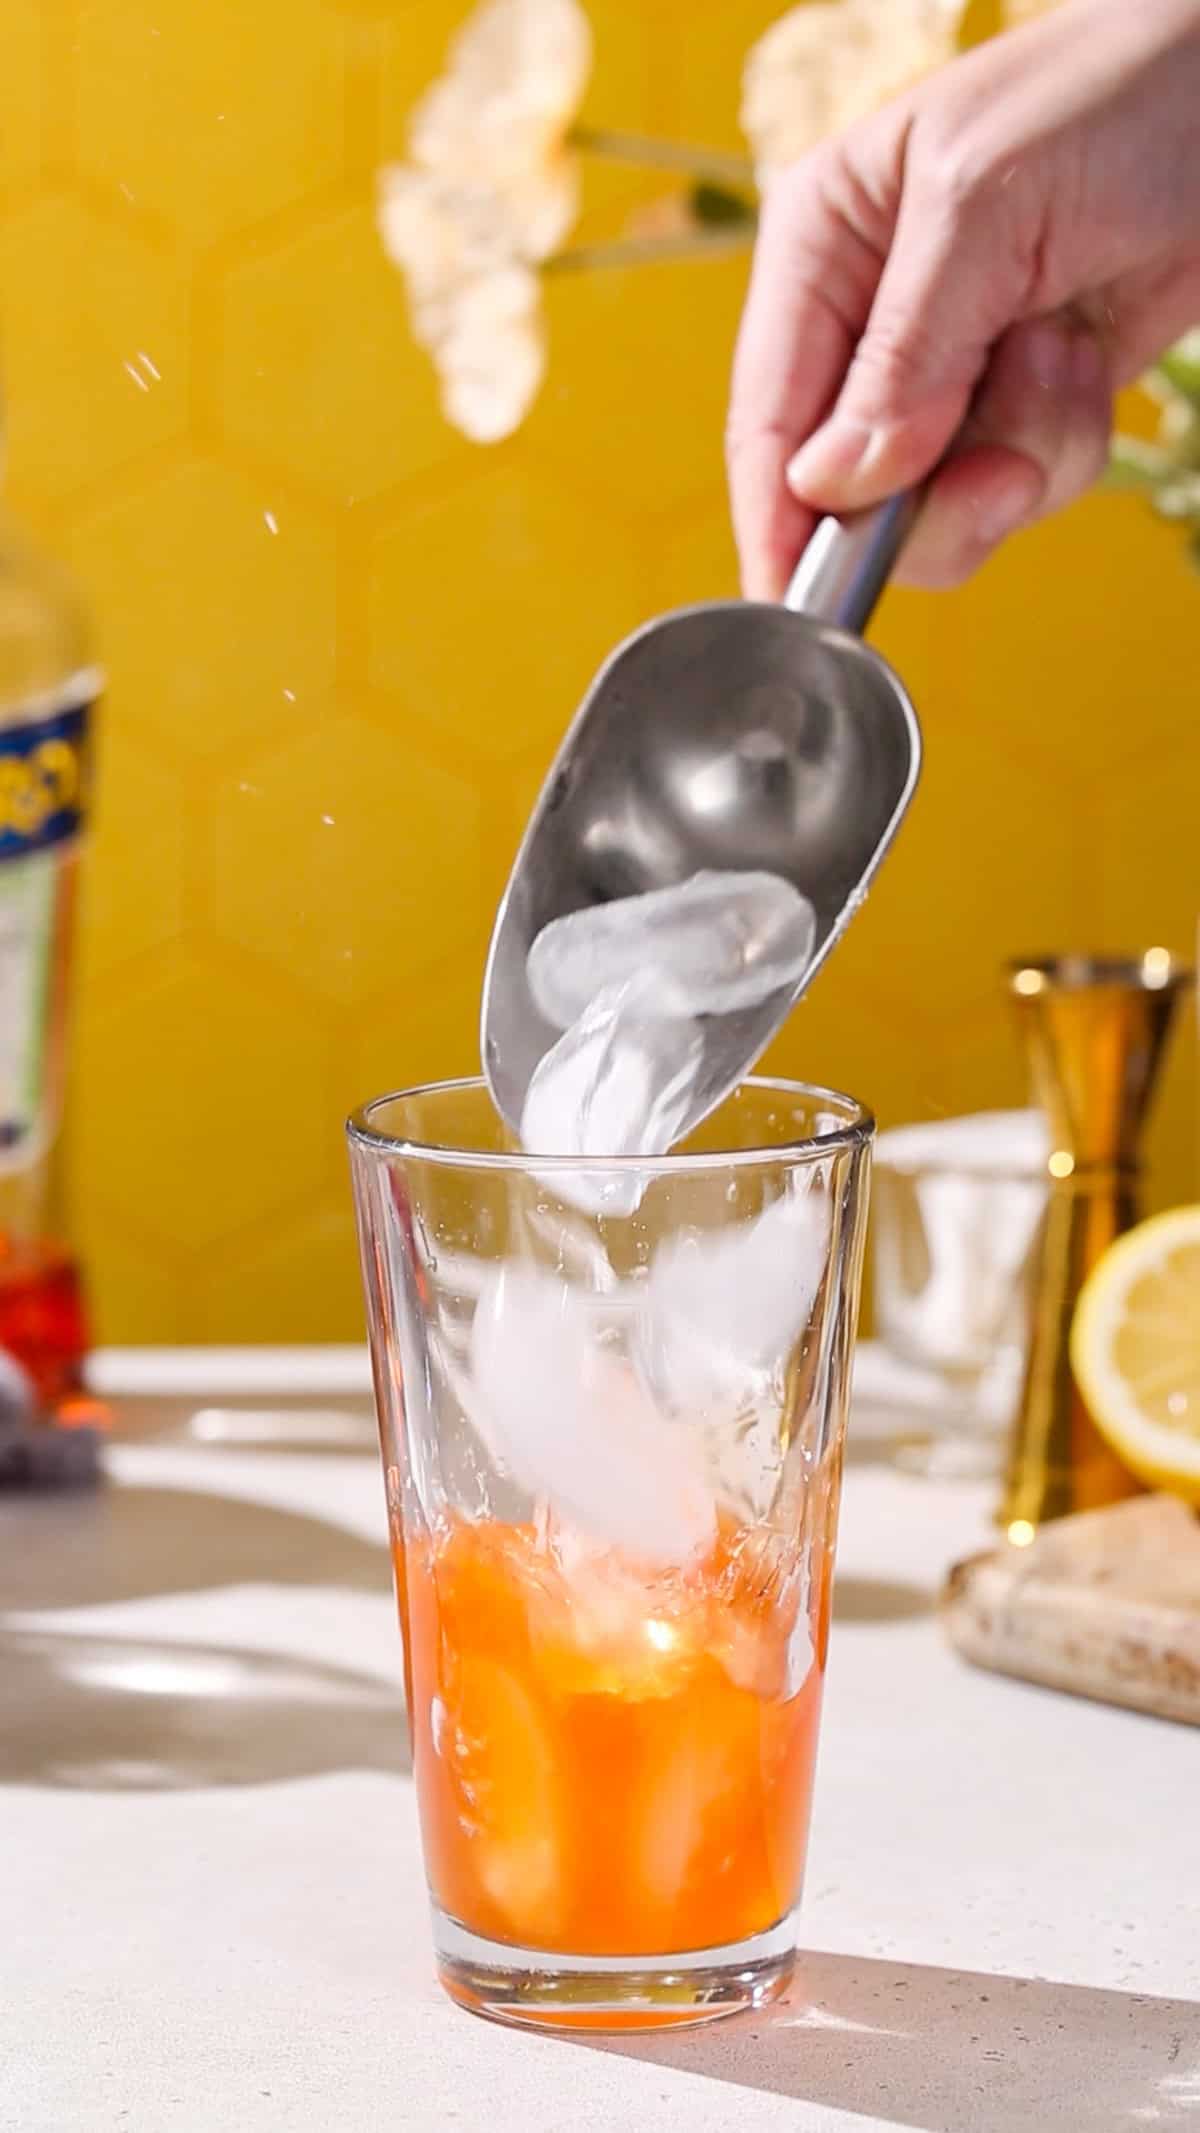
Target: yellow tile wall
{"x":342,"y":642}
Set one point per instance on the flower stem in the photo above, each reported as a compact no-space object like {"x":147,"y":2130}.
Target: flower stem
{"x":663,"y":155}
{"x":646,"y":251}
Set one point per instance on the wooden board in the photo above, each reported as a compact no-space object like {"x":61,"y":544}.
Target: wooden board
{"x":1104,"y":1605}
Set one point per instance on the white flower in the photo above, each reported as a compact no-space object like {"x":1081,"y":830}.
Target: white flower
{"x":516,"y":74}
{"x":476,"y":306}
{"x":830,"y":62}
{"x":1179,"y":497}
{"x":447,"y":233}
{"x":491,"y":191}
{"x":493,"y":357}
{"x":1179,"y":402}
{"x":1167,"y":471}
{"x":1176,"y":415}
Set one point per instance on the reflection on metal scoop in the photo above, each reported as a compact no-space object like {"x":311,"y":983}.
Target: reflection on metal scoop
{"x":732,"y":736}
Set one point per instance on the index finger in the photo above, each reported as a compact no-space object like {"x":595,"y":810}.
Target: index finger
{"x":813,"y":279}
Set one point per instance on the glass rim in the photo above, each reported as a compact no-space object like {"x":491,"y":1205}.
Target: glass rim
{"x":857,"y":1132}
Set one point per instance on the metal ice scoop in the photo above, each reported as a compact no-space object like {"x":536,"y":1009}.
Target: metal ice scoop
{"x":734,"y":736}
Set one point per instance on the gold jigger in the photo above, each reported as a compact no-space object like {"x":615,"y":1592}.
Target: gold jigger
{"x":1094,"y":1032}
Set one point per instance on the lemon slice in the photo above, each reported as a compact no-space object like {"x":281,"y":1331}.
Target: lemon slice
{"x":1135,"y":1349}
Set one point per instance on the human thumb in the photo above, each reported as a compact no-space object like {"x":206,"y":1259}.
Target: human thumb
{"x":952,"y":283}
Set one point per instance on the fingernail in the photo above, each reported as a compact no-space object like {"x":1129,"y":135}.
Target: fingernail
{"x":836,"y":453}
{"x":1048,"y":354}
{"x":1010,"y":506}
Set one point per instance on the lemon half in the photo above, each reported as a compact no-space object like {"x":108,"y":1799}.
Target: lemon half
{"x":1135,"y":1349}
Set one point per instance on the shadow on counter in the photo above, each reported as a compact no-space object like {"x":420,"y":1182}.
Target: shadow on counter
{"x":950,"y":2050}
{"x":127,"y":1713}
{"x":131,"y":1714}
{"x":131,"y":1542}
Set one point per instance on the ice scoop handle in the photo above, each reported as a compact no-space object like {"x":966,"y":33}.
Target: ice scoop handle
{"x":848,"y":561}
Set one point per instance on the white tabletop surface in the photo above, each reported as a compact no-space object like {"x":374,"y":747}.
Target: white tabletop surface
{"x":212,"y":1911}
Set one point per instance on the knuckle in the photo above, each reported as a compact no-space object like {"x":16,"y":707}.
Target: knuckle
{"x":891,"y":368}
{"x":952,"y":164}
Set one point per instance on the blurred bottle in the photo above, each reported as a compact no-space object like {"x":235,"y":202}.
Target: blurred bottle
{"x":49,"y":1429}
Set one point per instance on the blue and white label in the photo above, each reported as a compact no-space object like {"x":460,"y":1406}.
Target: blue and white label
{"x":44,"y":780}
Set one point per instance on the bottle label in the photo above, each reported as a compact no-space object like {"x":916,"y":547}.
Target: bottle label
{"x":44,"y":769}
{"x":44,"y":780}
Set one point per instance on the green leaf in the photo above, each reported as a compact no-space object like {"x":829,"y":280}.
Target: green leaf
{"x":715,"y":207}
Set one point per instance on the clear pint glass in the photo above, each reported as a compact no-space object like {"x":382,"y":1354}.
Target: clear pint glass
{"x":612,"y":1447}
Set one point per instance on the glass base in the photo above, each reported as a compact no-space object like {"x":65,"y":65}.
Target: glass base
{"x":534,"y":1989}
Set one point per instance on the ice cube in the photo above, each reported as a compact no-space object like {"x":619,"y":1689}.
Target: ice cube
{"x":716,"y":943}
{"x":745,"y":1451}
{"x":619,"y":1082}
{"x":722,"y":1311}
{"x":576,"y":1429}
{"x":604,"y":1625}
{"x":575,"y":1249}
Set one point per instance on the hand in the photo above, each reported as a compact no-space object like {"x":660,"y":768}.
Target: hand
{"x":968,"y":276}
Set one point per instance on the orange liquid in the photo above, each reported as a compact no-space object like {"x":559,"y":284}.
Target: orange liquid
{"x":612,"y":1762}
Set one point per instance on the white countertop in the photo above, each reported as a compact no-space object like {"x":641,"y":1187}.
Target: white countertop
{"x":212,"y":1911}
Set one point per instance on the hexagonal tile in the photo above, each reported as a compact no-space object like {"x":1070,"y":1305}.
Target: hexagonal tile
{"x":630,"y":62}
{"x":425,"y":1031}
{"x":1172,"y":1145}
{"x":626,"y":91}
{"x":133,"y":893}
{"x":321,"y":374}
{"x":413,"y":53}
{"x":207,"y":1099}
{"x":217,"y":601}
{"x":907,"y":629}
{"x":993,"y":861}
{"x":387,"y":12}
{"x":627,"y":409}
{"x":138,"y":1294}
{"x":95,"y":344}
{"x":547,"y":589}
{"x":264,"y":1291}
{"x":212,"y":117}
{"x":703,"y":96}
{"x":511,"y":800}
{"x":899,"y":1064}
{"x":21,"y":55}
{"x":348,"y":860}
{"x":480,"y":589}
{"x":690,"y":554}
{"x":1060,"y":640}
{"x":1143,"y":825}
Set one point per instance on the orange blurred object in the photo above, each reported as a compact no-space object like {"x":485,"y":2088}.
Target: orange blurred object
{"x":613,"y":1760}
{"x":43,"y":1323}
